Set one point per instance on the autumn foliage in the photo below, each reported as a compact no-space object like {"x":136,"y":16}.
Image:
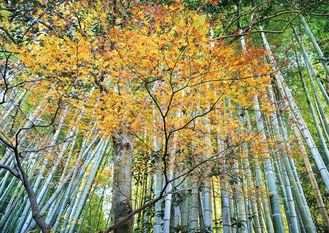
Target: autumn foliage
{"x":159,"y":62}
{"x":155,"y":72}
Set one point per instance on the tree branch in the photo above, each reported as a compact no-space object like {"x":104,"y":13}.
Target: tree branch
{"x":11,"y":170}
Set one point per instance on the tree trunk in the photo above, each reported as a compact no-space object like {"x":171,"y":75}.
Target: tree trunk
{"x":226,"y":210}
{"x":121,"y":199}
{"x":194,"y":208}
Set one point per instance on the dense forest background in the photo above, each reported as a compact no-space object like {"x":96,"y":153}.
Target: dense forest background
{"x":164,"y":116}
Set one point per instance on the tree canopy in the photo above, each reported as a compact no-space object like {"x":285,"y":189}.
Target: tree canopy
{"x":164,"y":116}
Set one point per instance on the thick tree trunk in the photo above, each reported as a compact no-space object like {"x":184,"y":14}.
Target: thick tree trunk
{"x":121,"y":199}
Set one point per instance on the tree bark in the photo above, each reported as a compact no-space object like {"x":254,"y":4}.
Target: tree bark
{"x":121,"y":199}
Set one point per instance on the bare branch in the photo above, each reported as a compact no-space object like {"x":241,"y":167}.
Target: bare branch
{"x":6,"y":143}
{"x":11,"y":170}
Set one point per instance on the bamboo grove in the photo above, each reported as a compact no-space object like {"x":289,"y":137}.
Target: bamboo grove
{"x":159,"y":116}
